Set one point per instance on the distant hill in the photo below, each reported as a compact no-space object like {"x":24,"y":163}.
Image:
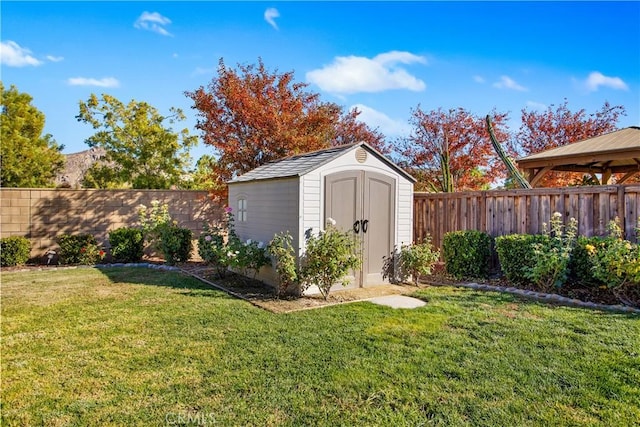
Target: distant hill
{"x":76,"y":166}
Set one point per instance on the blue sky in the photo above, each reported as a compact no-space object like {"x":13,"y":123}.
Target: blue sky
{"x":383,"y":57}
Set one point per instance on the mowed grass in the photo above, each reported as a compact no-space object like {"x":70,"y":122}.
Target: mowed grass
{"x":140,"y":347}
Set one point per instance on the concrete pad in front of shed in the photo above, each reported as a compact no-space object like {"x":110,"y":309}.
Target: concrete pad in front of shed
{"x":398,"y":301}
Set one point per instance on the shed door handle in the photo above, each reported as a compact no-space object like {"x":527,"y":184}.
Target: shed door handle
{"x":356,"y":226}
{"x":365,"y":225}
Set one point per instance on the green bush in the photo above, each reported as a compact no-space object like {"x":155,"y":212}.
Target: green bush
{"x":80,"y":249}
{"x":127,"y":244}
{"x":616,"y":261}
{"x":328,"y":258}
{"x":551,"y":269}
{"x":221,"y":247}
{"x":467,"y":254}
{"x":281,"y":249}
{"x":581,"y":264}
{"x":516,"y":253}
{"x":417,"y":260}
{"x":175,"y":244}
{"x":14,"y":250}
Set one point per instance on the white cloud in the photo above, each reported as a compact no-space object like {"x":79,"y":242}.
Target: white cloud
{"x":270,"y":15}
{"x":536,"y":105}
{"x":597,"y":79}
{"x":478,"y":79}
{"x":153,"y":21}
{"x":87,"y":81}
{"x":352,"y":74}
{"x":201,"y":70}
{"x":54,"y":58}
{"x":13,"y":55}
{"x":507,"y":82}
{"x":385,"y":124}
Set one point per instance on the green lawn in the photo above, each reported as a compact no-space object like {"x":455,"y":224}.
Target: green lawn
{"x":142,"y":347}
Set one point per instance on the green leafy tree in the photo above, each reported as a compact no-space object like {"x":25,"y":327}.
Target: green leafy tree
{"x":29,"y":158}
{"x":142,"y":150}
{"x":203,"y":177}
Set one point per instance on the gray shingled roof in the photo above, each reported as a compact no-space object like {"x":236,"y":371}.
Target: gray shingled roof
{"x":305,"y":163}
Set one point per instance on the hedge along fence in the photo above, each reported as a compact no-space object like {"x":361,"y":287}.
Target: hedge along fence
{"x":42,"y":215}
{"x":503,"y":212}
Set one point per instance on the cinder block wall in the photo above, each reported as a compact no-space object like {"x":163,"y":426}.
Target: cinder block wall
{"x":42,"y":215}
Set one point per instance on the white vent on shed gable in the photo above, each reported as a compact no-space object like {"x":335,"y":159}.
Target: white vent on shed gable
{"x":361,"y":155}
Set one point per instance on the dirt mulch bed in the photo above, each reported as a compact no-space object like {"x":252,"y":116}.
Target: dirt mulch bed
{"x":582,"y":293}
{"x":264,"y":296}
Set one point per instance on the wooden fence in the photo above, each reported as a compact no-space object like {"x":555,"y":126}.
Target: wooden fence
{"x":504,"y":212}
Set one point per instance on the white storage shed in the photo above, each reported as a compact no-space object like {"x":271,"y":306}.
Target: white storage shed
{"x":353,"y":185}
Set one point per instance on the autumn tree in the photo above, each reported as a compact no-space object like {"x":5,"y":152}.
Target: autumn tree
{"x":29,"y":158}
{"x":556,"y":127}
{"x":251,"y":116}
{"x":451,"y":150}
{"x":142,"y":150}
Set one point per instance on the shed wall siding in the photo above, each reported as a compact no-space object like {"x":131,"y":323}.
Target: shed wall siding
{"x":272,"y":207}
{"x":404,"y":232}
{"x":312,"y":204}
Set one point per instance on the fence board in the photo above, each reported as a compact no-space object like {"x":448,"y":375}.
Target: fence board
{"x":524,"y":211}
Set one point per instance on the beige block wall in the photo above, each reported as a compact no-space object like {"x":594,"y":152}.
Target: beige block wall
{"x":42,"y":215}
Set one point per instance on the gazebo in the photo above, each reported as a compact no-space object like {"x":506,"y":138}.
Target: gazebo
{"x":613,"y":153}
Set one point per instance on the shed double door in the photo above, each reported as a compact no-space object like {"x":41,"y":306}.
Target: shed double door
{"x":364,"y":202}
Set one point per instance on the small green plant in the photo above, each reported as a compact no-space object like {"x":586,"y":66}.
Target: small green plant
{"x":281,"y":249}
{"x":14,"y":250}
{"x":616,"y":262}
{"x":252,"y":257}
{"x":152,"y":220}
{"x":221,"y":247}
{"x":80,"y":249}
{"x":417,"y":260}
{"x":551,"y":268}
{"x":175,"y":244}
{"x":213,"y":250}
{"x":467,"y":254}
{"x":127,"y":244}
{"x":581,"y":263}
{"x":516,"y":253}
{"x":328,"y":258}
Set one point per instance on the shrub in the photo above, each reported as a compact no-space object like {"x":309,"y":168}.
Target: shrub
{"x":152,"y":220}
{"x":467,"y":254}
{"x":14,"y":250}
{"x":517,"y":256}
{"x":221,"y":247}
{"x":252,"y":257}
{"x":80,"y":249}
{"x":327,"y":259}
{"x":127,"y":244}
{"x":581,"y":265}
{"x":213,"y":249}
{"x":416,"y":260}
{"x":281,"y":249}
{"x":552,"y":255}
{"x":616,"y":262}
{"x":175,"y":244}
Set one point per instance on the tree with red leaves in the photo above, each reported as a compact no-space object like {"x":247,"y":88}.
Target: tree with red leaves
{"x":251,"y":116}
{"x":554,"y":128}
{"x":451,"y":150}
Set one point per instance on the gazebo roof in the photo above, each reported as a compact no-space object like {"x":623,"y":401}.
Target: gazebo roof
{"x":615,"y":152}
